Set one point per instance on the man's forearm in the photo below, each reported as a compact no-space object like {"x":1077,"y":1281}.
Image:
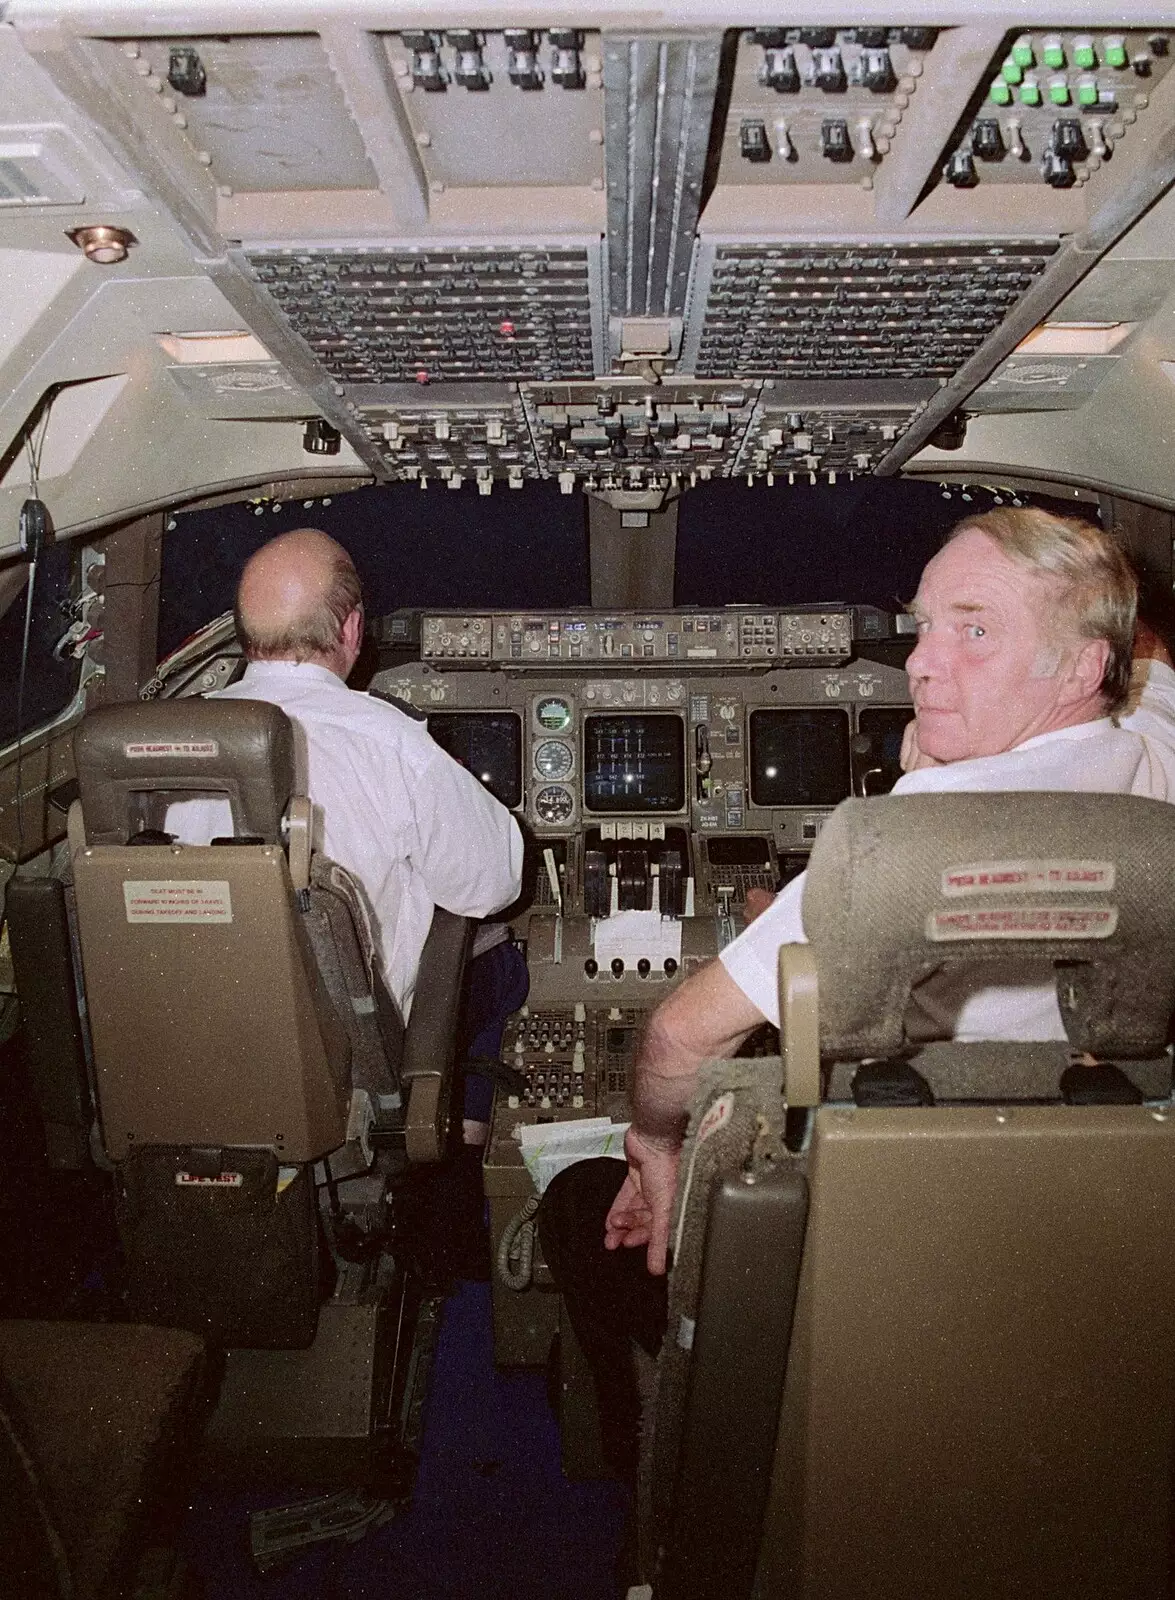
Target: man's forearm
{"x":708,"y":1017}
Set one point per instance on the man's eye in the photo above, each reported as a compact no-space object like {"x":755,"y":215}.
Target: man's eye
{"x":974,"y":630}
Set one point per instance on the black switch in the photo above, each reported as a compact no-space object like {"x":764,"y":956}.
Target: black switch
{"x":566,"y":66}
{"x":320,"y":439}
{"x":590,"y":967}
{"x":769,"y":38}
{"x":987,"y":140}
{"x":1056,"y":169}
{"x":779,"y":71}
{"x":753,"y":142}
{"x":872,"y":38}
{"x":427,"y":71}
{"x":643,"y":967}
{"x":1159,"y":44}
{"x":670,"y":966}
{"x":1141,"y":64}
{"x":470,"y":70}
{"x":834,"y":139}
{"x":818,"y":38}
{"x":919,"y":38}
{"x":828,"y":71}
{"x":1068,"y":139}
{"x":185,"y":71}
{"x":877,"y":71}
{"x":960,"y":170}
{"x":522,"y":62}
{"x":617,"y":967}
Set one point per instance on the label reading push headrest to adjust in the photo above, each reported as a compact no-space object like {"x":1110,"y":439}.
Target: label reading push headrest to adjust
{"x":1029,"y":877}
{"x":171,"y":748}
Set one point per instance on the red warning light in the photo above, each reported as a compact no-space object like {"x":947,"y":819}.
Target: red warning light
{"x":422,"y":377}
{"x":506,"y":328}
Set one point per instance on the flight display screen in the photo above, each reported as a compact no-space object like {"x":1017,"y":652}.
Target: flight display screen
{"x":634,"y":763}
{"x":800,"y":758}
{"x":486,"y":743}
{"x":884,"y":727}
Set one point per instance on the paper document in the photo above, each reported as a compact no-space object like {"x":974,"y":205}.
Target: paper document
{"x":633,"y":934}
{"x":548,"y":1147}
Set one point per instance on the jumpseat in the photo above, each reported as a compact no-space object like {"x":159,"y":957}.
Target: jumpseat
{"x":94,"y":1421}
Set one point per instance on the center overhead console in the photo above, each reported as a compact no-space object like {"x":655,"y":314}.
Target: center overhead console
{"x":662,"y":765}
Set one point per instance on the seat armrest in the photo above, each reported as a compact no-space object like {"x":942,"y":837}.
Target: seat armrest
{"x":431,"y":1037}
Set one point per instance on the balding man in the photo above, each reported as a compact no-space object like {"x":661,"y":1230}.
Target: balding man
{"x":1021,"y":679}
{"x":415,"y":828}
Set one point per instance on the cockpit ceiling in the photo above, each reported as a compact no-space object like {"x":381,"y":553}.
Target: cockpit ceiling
{"x":630,"y":254}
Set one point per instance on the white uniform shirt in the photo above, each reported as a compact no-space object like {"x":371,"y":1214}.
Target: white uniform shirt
{"x":415,"y":828}
{"x":1134,"y":755}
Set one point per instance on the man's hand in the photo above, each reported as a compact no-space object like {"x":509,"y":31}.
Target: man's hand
{"x":912,"y":758}
{"x":756,"y":902}
{"x":641,"y":1211}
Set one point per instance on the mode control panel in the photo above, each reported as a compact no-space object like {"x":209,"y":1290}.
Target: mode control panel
{"x":731,"y":637}
{"x":455,"y":638}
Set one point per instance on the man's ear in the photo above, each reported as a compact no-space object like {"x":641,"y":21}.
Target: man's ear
{"x":353,"y":630}
{"x":1087,"y":668}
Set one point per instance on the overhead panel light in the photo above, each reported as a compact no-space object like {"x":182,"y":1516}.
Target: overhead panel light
{"x":213,"y":348}
{"x":1075,"y":338}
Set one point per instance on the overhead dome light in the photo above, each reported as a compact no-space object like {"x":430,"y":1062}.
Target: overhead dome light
{"x":103,"y":244}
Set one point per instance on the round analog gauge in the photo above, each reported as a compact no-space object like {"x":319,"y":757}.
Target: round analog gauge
{"x":553,"y":714}
{"x":553,"y":759}
{"x":554,"y":803}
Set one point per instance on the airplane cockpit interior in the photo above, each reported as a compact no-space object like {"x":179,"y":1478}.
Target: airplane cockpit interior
{"x":640,"y":358}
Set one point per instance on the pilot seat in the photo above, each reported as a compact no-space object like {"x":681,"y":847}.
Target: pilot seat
{"x":258,"y":1094}
{"x":923,"y":1294}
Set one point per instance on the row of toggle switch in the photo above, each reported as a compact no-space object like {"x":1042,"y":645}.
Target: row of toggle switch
{"x":469,"y":68}
{"x":1067,"y":145}
{"x":836,"y":144}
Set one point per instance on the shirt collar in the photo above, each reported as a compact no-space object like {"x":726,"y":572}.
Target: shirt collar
{"x":1079,"y":730}
{"x":303,"y":671}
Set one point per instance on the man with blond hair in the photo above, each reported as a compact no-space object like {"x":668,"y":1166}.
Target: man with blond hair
{"x":1021,"y":679}
{"x":413,"y":827}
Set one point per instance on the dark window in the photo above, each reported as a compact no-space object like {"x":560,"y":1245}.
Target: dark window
{"x":49,"y":684}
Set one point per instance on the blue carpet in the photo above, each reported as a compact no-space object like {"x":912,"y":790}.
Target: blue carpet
{"x":492,"y":1514}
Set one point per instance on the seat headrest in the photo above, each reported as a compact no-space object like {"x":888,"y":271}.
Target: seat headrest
{"x":243,"y":749}
{"x":900,"y":887}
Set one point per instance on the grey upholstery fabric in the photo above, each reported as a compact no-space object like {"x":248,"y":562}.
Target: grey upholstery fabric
{"x":243,"y":749}
{"x":340,"y":936}
{"x":736,"y":1124}
{"x":877,"y":878}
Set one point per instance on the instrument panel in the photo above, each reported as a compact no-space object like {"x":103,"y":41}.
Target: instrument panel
{"x":528,"y":702}
{"x":732,"y":634}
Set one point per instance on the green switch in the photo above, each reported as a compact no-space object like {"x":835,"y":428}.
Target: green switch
{"x":1012,"y":71}
{"x":1087,"y":91}
{"x":1058,"y":91}
{"x":1084,"y":54}
{"x":1030,"y":92}
{"x":1001,"y":93}
{"x":1114,"y":50}
{"x":1053,"y":52}
{"x":1022,"y":53}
